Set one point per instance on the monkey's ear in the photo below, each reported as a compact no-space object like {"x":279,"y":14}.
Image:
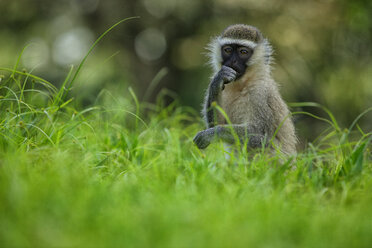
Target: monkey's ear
{"x":268,"y":52}
{"x":261,"y":54}
{"x":214,"y":54}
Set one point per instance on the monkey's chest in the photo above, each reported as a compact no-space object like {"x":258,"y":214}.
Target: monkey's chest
{"x":237,"y":106}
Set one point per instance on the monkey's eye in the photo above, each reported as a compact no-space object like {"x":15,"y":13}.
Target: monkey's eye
{"x":227,"y":50}
{"x":245,"y":52}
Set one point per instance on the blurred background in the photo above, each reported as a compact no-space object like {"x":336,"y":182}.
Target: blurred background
{"x":322,"y":48}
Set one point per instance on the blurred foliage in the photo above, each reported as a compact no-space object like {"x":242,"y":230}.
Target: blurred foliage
{"x":322,"y":48}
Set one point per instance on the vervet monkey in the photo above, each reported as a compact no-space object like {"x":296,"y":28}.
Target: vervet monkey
{"x":243,"y":87}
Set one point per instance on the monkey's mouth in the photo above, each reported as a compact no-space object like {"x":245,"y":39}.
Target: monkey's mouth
{"x":239,"y":71}
{"x":238,"y":75}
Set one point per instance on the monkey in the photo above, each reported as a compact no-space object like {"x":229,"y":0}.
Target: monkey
{"x":243,"y":86}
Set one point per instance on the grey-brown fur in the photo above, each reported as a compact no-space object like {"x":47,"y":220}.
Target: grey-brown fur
{"x":242,"y":31}
{"x":252,"y":103}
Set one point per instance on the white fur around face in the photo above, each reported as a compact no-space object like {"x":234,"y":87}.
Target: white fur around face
{"x":264,"y":50}
{"x":247,"y":43}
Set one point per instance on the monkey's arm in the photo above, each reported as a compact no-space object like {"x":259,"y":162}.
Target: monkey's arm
{"x":244,"y":132}
{"x":224,"y":76}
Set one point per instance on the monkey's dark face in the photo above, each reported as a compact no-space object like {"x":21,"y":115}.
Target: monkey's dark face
{"x":236,"y":57}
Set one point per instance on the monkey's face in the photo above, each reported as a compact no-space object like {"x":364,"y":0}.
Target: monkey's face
{"x":236,"y":57}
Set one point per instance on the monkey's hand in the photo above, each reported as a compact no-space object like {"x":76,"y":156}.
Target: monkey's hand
{"x":227,"y":74}
{"x":202,"y":139}
{"x":224,"y":76}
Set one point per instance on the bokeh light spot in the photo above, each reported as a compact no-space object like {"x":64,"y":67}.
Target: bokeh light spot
{"x":150,"y":44}
{"x":71,"y":46}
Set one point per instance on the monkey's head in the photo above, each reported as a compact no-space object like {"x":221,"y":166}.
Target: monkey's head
{"x":240,"y":47}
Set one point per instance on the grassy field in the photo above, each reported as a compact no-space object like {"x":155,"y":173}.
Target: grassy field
{"x":104,"y":176}
{"x":121,"y":173}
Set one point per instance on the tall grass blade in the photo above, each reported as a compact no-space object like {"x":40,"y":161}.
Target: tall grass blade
{"x":157,"y":79}
{"x":18,"y":60}
{"x":44,"y":82}
{"x":71,"y":83}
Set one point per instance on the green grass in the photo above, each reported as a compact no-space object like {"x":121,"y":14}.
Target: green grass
{"x":104,"y":176}
{"x":110,"y":175}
